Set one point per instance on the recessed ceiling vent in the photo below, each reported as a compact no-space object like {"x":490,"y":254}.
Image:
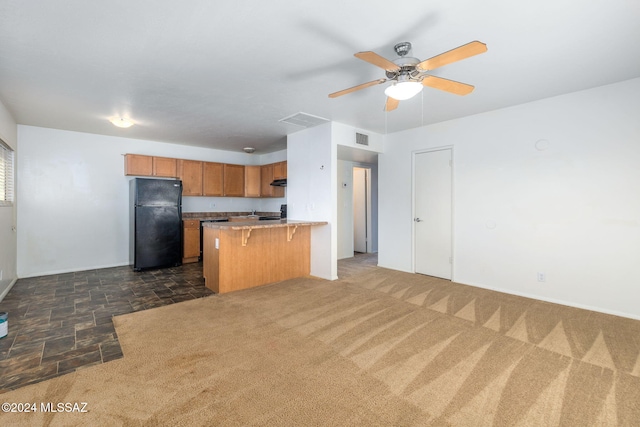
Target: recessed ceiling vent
{"x":362,"y":139}
{"x":303,"y":119}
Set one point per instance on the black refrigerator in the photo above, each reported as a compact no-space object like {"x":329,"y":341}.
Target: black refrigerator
{"x":155,"y":223}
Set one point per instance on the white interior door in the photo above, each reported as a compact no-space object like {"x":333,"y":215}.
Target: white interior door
{"x":433,"y":213}
{"x":360,"y":217}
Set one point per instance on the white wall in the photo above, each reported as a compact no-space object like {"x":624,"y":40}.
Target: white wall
{"x":345,"y":135}
{"x":8,"y":242}
{"x":311,"y":193}
{"x":559,"y":179}
{"x":73,"y":212}
{"x":345,"y":209}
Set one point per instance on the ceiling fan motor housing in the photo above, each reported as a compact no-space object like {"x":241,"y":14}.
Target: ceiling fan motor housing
{"x":407,"y":66}
{"x":402,"y":48}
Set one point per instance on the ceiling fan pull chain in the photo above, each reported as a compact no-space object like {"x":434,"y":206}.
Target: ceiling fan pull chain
{"x":422,"y":114}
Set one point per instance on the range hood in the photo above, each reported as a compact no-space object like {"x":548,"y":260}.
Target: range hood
{"x":279,"y":183}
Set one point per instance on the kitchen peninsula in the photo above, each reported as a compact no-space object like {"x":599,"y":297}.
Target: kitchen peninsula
{"x":241,"y":255}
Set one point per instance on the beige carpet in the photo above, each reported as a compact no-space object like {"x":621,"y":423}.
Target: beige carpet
{"x":377,"y":347}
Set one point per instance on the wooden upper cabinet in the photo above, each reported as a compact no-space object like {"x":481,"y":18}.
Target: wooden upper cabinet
{"x":233,"y":180}
{"x":140,"y":165}
{"x":252,"y":181}
{"x":266,"y":178}
{"x":137,"y":164}
{"x":213,"y":179}
{"x":280,"y":170}
{"x":190,"y":172}
{"x":210,"y":178}
{"x":166,"y":167}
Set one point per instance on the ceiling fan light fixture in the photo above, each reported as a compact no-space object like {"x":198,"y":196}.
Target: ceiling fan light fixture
{"x":121,"y":122}
{"x":403,"y":90}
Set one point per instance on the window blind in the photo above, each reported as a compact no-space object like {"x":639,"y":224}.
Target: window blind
{"x":6,"y":175}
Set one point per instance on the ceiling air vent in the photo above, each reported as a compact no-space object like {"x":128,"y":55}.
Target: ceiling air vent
{"x":303,"y":119}
{"x":362,"y":139}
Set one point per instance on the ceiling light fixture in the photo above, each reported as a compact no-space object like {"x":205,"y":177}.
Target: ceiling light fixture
{"x":403,"y":90}
{"x":121,"y":122}
{"x":249,"y":150}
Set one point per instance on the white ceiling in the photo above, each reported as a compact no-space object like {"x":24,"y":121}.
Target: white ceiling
{"x":221,"y":74}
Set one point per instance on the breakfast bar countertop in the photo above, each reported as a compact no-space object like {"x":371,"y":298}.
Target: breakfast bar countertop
{"x":244,"y":254}
{"x":249,"y":225}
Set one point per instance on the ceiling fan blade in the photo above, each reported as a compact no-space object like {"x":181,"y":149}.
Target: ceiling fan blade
{"x":457,"y":54}
{"x":447,"y":85}
{"x":377,"y":60}
{"x":355,"y":88}
{"x":391,"y":104}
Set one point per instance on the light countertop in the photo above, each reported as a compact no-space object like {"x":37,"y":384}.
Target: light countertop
{"x":216,"y":216}
{"x":246,"y":225}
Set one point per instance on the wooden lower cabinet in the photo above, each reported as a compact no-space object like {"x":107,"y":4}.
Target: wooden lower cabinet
{"x":191,"y":241}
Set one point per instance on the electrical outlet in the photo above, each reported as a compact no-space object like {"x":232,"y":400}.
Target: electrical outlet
{"x":541,"y":276}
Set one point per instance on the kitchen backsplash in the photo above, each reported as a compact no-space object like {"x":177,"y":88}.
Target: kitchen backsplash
{"x":230,"y":204}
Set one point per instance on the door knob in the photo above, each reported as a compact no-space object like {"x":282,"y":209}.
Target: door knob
{"x":417,"y":220}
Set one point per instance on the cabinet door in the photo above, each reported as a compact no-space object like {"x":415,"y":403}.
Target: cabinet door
{"x":191,"y":239}
{"x":190,"y":172}
{"x":233,"y":180}
{"x":280,"y":170}
{"x":266,"y":177}
{"x":252,"y":181}
{"x":165,"y":167}
{"x":212,"y":184}
{"x":138,"y":165}
{"x":278,"y":191}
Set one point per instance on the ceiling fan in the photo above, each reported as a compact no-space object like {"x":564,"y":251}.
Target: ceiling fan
{"x":409,"y":74}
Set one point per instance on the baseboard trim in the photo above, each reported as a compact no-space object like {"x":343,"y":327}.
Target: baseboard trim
{"x":50,"y":273}
{"x":554,"y":301}
{"x":6,"y":291}
{"x":398,"y":269}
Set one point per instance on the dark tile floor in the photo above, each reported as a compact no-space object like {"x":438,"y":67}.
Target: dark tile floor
{"x":62,"y":322}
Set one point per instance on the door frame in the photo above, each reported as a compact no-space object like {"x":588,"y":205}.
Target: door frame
{"x":414,"y":153}
{"x":367,"y":207}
